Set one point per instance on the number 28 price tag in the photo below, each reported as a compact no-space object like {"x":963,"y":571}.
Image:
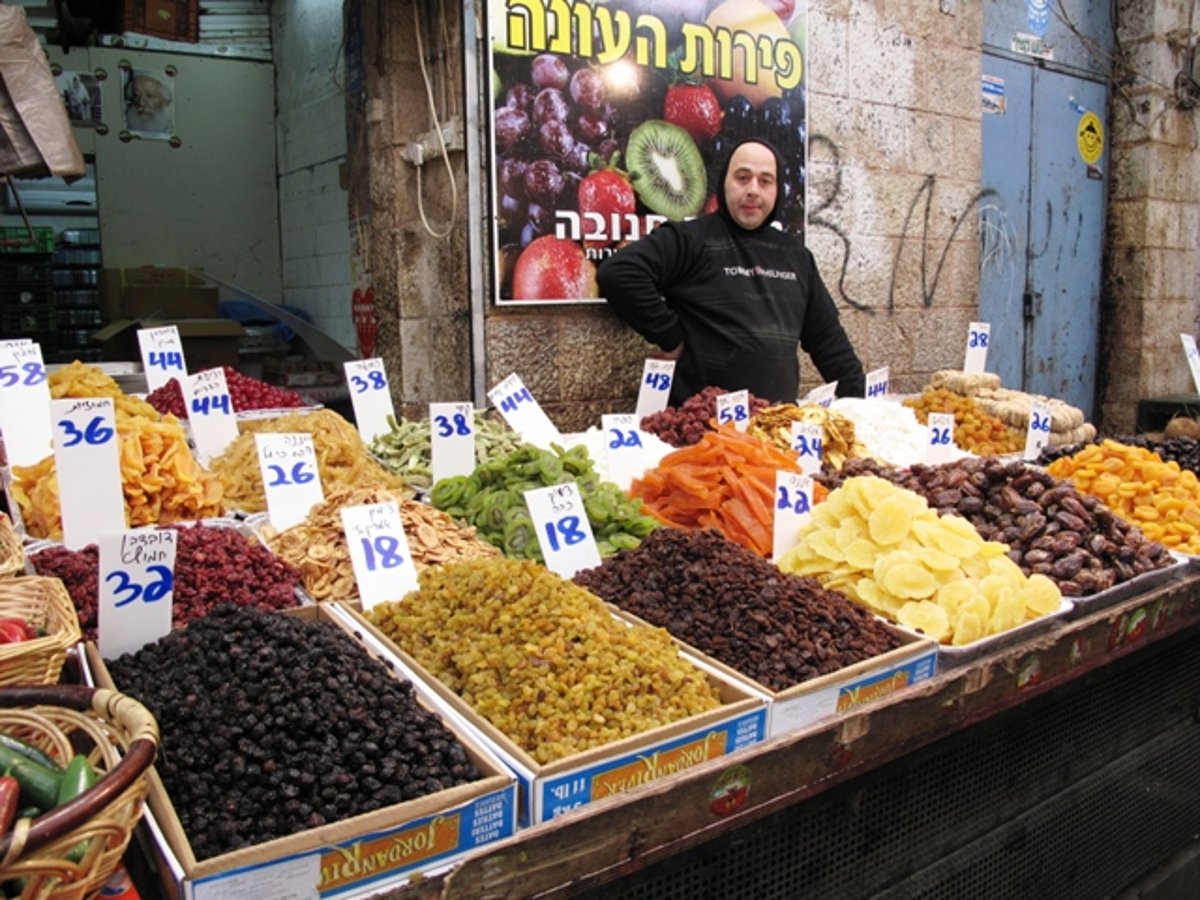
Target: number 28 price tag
{"x":563,"y":530}
{"x":370,"y":396}
{"x":978,"y":337}
{"x":383,"y":565}
{"x":290,"y":477}
{"x":940,"y":447}
{"x":137,"y":585}
{"x":793,"y":507}
{"x":655,"y":390}
{"x":807,"y":440}
{"x":87,"y":461}
{"x":162,"y":355}
{"x":734,"y":408}
{"x":452,"y":439}
{"x":1038,"y":434}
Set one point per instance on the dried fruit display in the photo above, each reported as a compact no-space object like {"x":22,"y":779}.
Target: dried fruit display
{"x":974,"y":430}
{"x":405,"y":449}
{"x":838,"y":438}
{"x":685,"y":424}
{"x":245,"y":393}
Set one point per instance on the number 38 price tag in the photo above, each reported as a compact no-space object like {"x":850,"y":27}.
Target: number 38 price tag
{"x":563,"y":530}
{"x":137,"y":584}
{"x":793,"y":507}
{"x":451,"y":439}
{"x":370,"y":396}
{"x":383,"y":565}
{"x":87,"y":461}
{"x":290,"y":477}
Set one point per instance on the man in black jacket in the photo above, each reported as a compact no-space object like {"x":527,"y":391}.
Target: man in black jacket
{"x":729,"y":296}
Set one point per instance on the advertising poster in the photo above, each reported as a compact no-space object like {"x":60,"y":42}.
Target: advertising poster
{"x":610,"y":117}
{"x":149,"y":103}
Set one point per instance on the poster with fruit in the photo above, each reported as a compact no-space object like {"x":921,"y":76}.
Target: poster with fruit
{"x":610,"y":117}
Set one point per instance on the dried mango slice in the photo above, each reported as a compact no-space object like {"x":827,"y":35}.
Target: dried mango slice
{"x":909,"y":580}
{"x":890,"y":521}
{"x":925,"y":616}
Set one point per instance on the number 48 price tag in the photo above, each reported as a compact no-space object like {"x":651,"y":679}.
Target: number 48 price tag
{"x":383,"y":565}
{"x":563,"y":530}
{"x":655,"y":390}
{"x":290,"y":477}
{"x":137,"y":585}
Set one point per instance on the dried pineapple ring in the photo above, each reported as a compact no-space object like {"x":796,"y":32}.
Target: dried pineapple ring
{"x":909,"y":580}
{"x":890,"y":521}
{"x":926,"y":617}
{"x":862,"y":553}
{"x":951,"y":597}
{"x":938,"y":561}
{"x":949,"y":542}
{"x":968,"y":627}
{"x":890,"y":558}
{"x":1041,"y":595}
{"x":1009,"y":612}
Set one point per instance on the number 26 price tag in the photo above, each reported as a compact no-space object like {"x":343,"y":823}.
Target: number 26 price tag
{"x":734,"y":409}
{"x":940,"y":447}
{"x":383,"y":565}
{"x":452,"y":439}
{"x":87,"y":461}
{"x":563,"y":530}
{"x":793,"y":507}
{"x":1038,"y":434}
{"x":290,"y":477}
{"x":370,"y":396}
{"x":655,"y":390}
{"x":137,"y":585}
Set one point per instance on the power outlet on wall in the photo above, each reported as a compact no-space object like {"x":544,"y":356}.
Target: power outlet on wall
{"x":427,"y":147}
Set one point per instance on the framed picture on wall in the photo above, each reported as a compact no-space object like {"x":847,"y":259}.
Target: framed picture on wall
{"x":149,"y":98}
{"x":81,"y":96}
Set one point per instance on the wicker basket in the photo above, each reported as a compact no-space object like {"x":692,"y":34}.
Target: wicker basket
{"x":12,"y":557}
{"x":121,"y":739}
{"x":45,"y":604}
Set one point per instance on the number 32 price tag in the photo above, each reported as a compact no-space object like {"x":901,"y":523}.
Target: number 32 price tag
{"x":940,"y":447}
{"x":793,"y":507}
{"x":137,"y":584}
{"x":383,"y":565}
{"x":290,"y":477}
{"x":563,"y":530}
{"x":87,"y":460}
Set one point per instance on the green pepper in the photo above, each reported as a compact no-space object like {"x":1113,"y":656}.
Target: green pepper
{"x":39,"y":784}
{"x":78,"y":777}
{"x":29,"y":751}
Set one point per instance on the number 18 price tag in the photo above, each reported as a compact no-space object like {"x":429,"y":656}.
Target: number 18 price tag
{"x":734,"y":408}
{"x":210,"y":412}
{"x":452,"y":439}
{"x":24,"y":402}
{"x":793,"y":507}
{"x":655,"y":390}
{"x":162,"y":355}
{"x":290,"y":477}
{"x":1038,"y":434}
{"x":87,"y":461}
{"x":807,"y":438}
{"x":370,"y":396}
{"x":626,"y":449}
{"x":137,"y":588}
{"x":1193,"y":358}
{"x":383,"y":565}
{"x":523,"y":414}
{"x":941,"y":447}
{"x":978,"y":337}
{"x":563,"y":530}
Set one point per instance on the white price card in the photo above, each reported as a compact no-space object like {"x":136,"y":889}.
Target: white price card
{"x":370,"y":396}
{"x":136,"y":587}
{"x":210,"y":412}
{"x":734,"y":409}
{"x":940,"y":446}
{"x":523,"y":414}
{"x":877,"y":382}
{"x":793,"y":508}
{"x":451,"y":439}
{"x":87,"y":461}
{"x":822,"y":395}
{"x":162,"y":355}
{"x":383,"y":565}
{"x":25,"y":419}
{"x":979,"y":335}
{"x":626,"y":448}
{"x":1038,"y":435}
{"x":807,"y":440}
{"x":655,"y":391}
{"x":1193,"y":358}
{"x":563,"y":529}
{"x":290,"y":477}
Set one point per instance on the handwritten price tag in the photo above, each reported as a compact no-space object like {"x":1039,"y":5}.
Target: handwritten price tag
{"x":877,"y":382}
{"x":626,"y":448}
{"x":793,"y":508}
{"x":1038,"y":434}
{"x":25,"y":419}
{"x":162,"y":355}
{"x":370,"y":396}
{"x":290,"y":477}
{"x":1193,"y":358}
{"x":563,"y":530}
{"x":823,"y":395}
{"x":137,"y":588}
{"x":383,"y":565}
{"x":940,"y":447}
{"x":734,"y":409}
{"x":655,"y":390}
{"x":452,"y":439}
{"x":210,"y":412}
{"x":523,"y":414}
{"x":87,"y":460}
{"x":978,"y":337}
{"x":807,"y":438}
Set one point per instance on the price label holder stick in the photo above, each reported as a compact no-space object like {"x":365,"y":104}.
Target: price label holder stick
{"x":371,"y":397}
{"x":733,"y":408}
{"x":383,"y":564}
{"x":808,"y":441}
{"x":162,"y":355}
{"x":655,"y":391}
{"x":1038,"y":434}
{"x":822,"y":395}
{"x":940,"y":445}
{"x":563,"y":530}
{"x":1193,"y":358}
{"x":523,"y":414}
{"x":626,"y":448}
{"x":25,"y":419}
{"x":290,"y":476}
{"x":978,"y":338}
{"x":87,"y":462}
{"x":136,"y":587}
{"x":210,"y":412}
{"x":793,"y":509}
{"x":451,"y":439}
{"x":878,"y":382}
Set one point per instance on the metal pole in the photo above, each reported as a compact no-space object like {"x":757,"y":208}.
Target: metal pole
{"x":477,"y":261}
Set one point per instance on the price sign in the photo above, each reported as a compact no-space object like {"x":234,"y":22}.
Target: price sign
{"x":210,"y":412}
{"x":162,"y":355}
{"x":452,"y":439}
{"x":371,"y":397}
{"x":940,"y":447}
{"x":1193,"y":358}
{"x":978,"y":337}
{"x":1038,"y":434}
{"x":655,"y":390}
{"x":807,"y":438}
{"x":626,"y":448}
{"x":137,"y":585}
{"x":877,"y":382}
{"x":383,"y":565}
{"x":25,"y":419}
{"x":522,"y":413}
{"x":793,"y":507}
{"x":823,"y":395}
{"x":734,"y":409}
{"x":563,"y":529}
{"x":87,"y":461}
{"x":290,"y":477}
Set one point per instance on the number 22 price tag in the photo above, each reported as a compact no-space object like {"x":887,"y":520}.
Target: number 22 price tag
{"x":370,"y":396}
{"x":137,"y":586}
{"x":626,"y":449}
{"x":940,"y":447}
{"x":563,"y":530}
{"x":87,"y":461}
{"x":655,"y":390}
{"x":451,"y":439}
{"x":1038,"y":434}
{"x":978,"y":337}
{"x":290,"y":476}
{"x":383,"y":565}
{"x":793,"y":508}
{"x":734,"y":408}
{"x":162,"y":355}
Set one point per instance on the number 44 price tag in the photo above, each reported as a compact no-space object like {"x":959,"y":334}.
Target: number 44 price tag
{"x":137,"y":584}
{"x":290,"y":477}
{"x":563,"y":530}
{"x":210,"y":412}
{"x":162,"y":355}
{"x":793,"y":507}
{"x":522,"y":412}
{"x":383,"y":565}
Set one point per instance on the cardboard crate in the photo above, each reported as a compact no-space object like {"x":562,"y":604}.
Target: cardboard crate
{"x":159,"y":291}
{"x":207,"y":343}
{"x":372,"y":851}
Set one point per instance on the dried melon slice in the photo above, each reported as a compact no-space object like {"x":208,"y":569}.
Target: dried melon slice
{"x":911,"y":581}
{"x":925,"y":616}
{"x":968,"y":628}
{"x":866,"y":492}
{"x":1009,"y":611}
{"x":861,"y":553}
{"x":1041,"y":596}
{"x":955,"y":595}
{"x":891,"y":520}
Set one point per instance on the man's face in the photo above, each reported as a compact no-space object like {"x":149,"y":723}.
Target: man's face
{"x":750,"y":185}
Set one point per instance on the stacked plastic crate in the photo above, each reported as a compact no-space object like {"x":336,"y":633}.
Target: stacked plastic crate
{"x":27,"y":308}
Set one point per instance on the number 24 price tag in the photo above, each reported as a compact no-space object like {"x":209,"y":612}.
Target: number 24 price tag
{"x":383,"y":565}
{"x":793,"y":507}
{"x":1038,"y":434}
{"x":137,"y":584}
{"x":370,"y":396}
{"x":563,"y":530}
{"x":452,"y":439}
{"x":807,"y":442}
{"x":941,"y":447}
{"x":290,"y":477}
{"x":734,"y":408}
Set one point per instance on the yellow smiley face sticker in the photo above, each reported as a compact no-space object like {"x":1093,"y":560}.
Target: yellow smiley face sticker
{"x":1090,"y":138}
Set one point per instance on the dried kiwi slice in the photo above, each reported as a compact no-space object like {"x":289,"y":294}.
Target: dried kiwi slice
{"x":666,"y":169}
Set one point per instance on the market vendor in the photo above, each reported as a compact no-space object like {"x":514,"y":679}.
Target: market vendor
{"x":729,"y":295}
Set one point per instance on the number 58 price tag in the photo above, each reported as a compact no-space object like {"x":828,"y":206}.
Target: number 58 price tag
{"x":563,"y":530}
{"x":137,"y":587}
{"x":383,"y":565}
{"x":290,"y":477}
{"x":734,"y":408}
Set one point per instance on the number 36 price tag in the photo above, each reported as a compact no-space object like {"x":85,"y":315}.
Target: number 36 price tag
{"x":563,"y":530}
{"x":793,"y":507}
{"x":87,"y":460}
{"x":383,"y":565}
{"x":290,"y":477}
{"x":137,"y":584}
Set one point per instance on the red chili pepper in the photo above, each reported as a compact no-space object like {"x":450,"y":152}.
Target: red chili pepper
{"x":10,"y":793}
{"x":13,"y":631}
